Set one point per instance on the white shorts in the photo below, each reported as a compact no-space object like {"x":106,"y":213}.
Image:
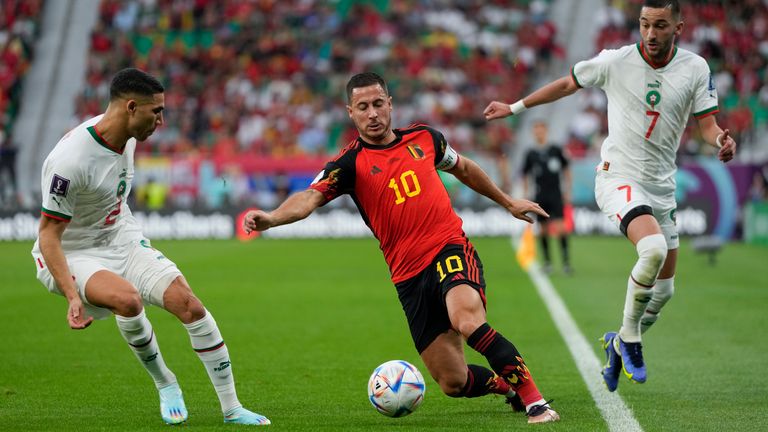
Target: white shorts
{"x":145,"y":267}
{"x":617,"y":195}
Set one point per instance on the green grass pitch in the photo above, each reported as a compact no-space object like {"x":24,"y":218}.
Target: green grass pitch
{"x":306,"y":321}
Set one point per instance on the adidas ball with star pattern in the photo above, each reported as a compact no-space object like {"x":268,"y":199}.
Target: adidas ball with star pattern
{"x":396,"y":388}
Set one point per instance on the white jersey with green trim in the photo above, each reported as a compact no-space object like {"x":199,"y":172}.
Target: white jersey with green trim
{"x":648,"y":107}
{"x":86,"y":183}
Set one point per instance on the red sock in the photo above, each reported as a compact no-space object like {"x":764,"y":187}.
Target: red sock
{"x":506,"y":361}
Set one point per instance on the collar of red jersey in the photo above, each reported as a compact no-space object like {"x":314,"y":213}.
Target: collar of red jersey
{"x":396,"y":141}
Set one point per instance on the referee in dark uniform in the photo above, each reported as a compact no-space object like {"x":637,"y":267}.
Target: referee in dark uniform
{"x":548,"y":167}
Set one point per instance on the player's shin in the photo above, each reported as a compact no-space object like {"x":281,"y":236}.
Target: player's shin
{"x":662,"y":292}
{"x":506,"y":361}
{"x":210,"y":348}
{"x":482,"y":381}
{"x":652,"y":251}
{"x":137,"y":331}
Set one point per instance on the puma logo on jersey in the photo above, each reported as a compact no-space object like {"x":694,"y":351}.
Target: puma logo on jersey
{"x":375,"y":170}
{"x":222,"y":365}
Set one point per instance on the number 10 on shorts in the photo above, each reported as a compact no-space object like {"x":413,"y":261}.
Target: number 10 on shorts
{"x":453,"y":264}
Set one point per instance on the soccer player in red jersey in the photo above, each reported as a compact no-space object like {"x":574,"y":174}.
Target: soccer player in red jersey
{"x":391,"y":174}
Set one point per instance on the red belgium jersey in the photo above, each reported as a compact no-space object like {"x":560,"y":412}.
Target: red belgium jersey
{"x":399,"y":194}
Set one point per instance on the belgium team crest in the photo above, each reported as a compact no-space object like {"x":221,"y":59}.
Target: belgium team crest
{"x":415,"y":151}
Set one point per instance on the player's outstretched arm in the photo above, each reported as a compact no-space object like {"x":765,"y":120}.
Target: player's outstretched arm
{"x":549,"y":93}
{"x":717,"y":137}
{"x":50,"y":245}
{"x":470,"y":173}
{"x":297,"y":207}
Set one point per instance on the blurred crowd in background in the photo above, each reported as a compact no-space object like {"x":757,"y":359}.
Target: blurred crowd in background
{"x":261,"y":82}
{"x":267,"y":77}
{"x":19,"y":21}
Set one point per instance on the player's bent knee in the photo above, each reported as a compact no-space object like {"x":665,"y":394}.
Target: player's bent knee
{"x":653,"y":248}
{"x":467,"y":327}
{"x":452,"y":387}
{"x":195,"y":309}
{"x":651,"y":251}
{"x":128,"y":305}
{"x":184,"y":305}
{"x":451,"y":380}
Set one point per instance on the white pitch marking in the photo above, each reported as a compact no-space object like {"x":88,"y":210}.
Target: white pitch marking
{"x":616,"y":413}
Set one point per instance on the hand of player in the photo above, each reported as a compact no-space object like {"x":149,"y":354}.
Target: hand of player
{"x":520,"y":209}
{"x":76,"y":315}
{"x":256,"y":220}
{"x":496,"y":110}
{"x":728,"y":147}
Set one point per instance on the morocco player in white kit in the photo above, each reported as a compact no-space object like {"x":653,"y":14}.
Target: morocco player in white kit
{"x":653,"y":87}
{"x":91,"y":250}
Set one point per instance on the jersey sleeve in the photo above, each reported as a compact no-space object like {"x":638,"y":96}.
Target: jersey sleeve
{"x":705,"y":94}
{"x":445,"y":156}
{"x":337,"y":178}
{"x":593,"y":72}
{"x":60,"y":184}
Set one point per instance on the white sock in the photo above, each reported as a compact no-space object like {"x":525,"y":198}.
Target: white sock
{"x":538,"y":402}
{"x":651,"y":253}
{"x":662,"y":292}
{"x":209,"y":345}
{"x":634,"y":306}
{"x":138,"y":332}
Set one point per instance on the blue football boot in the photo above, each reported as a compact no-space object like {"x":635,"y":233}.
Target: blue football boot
{"x":612,"y":369}
{"x":632,"y":360}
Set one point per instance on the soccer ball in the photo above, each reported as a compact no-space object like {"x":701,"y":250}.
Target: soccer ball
{"x":396,"y":388}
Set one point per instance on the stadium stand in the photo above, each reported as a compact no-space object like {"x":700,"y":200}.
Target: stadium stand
{"x":263,"y":82}
{"x":255,"y":89}
{"x":266,"y":78}
{"x":18,"y":28}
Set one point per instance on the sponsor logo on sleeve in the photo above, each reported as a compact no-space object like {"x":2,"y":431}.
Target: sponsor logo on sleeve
{"x":330,"y":180}
{"x":318,"y":177}
{"x":59,"y":185}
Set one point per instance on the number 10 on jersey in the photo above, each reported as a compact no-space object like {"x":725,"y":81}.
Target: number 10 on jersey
{"x":410,"y":184}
